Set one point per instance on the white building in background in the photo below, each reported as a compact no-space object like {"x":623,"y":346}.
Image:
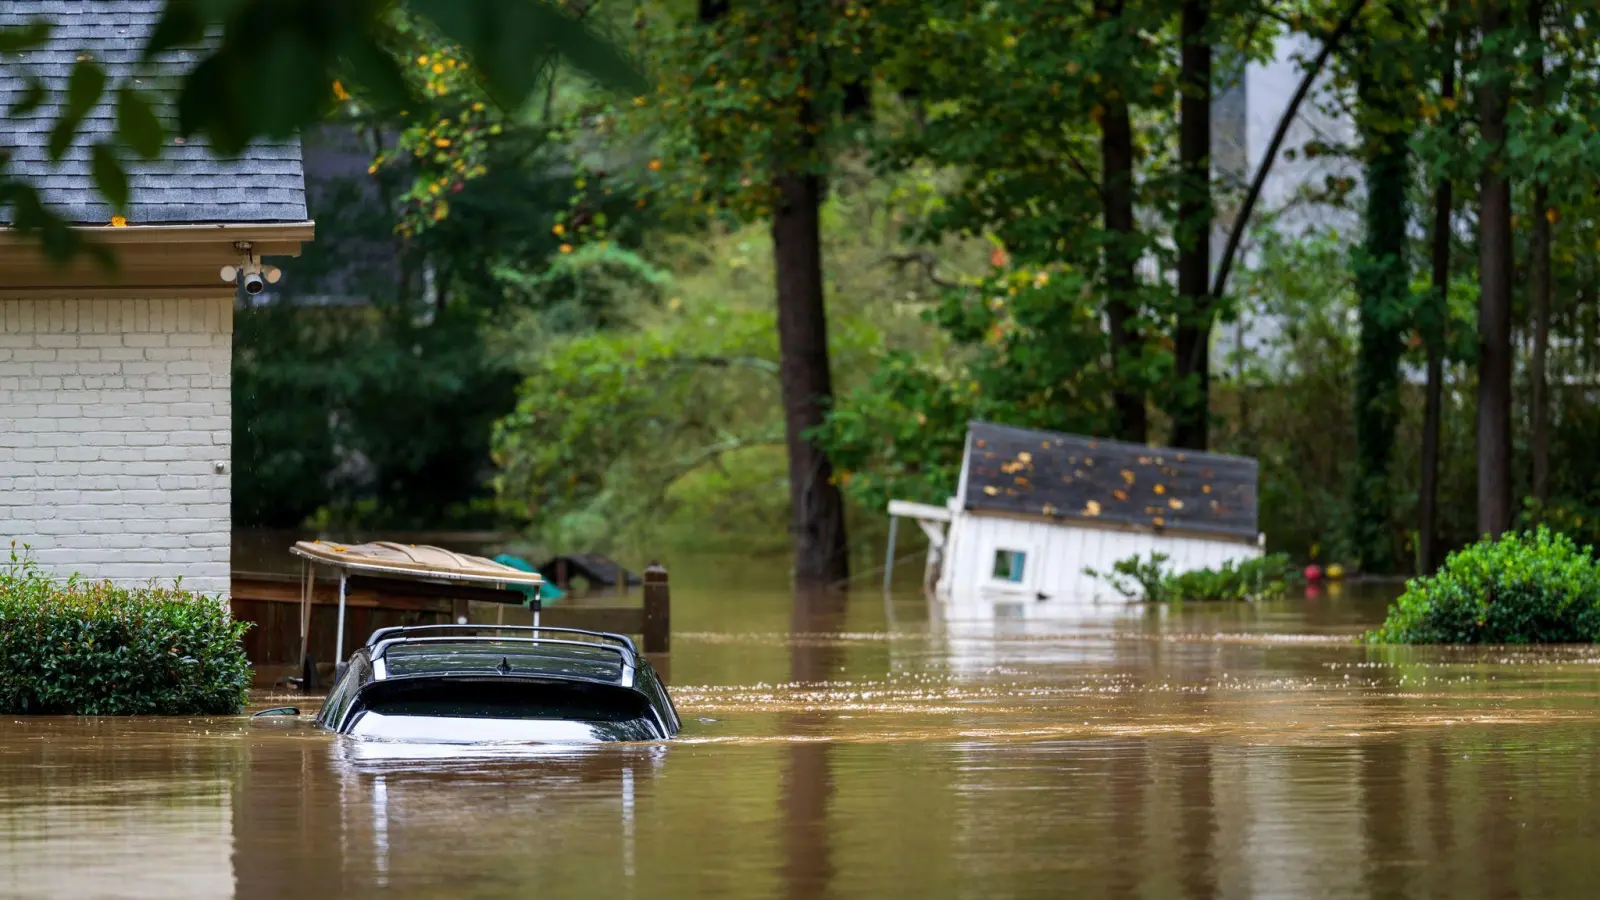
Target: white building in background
{"x":1035,"y":509}
{"x":1245,"y":115}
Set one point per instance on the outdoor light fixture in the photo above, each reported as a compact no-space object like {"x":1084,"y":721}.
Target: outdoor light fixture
{"x":255,"y":276}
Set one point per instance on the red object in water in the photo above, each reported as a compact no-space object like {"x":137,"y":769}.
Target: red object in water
{"x":1313,"y":572}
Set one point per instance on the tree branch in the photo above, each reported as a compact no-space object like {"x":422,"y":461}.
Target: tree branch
{"x":1084,"y":171}
{"x":726,"y":362}
{"x":1236,"y":233}
{"x":923,"y":258}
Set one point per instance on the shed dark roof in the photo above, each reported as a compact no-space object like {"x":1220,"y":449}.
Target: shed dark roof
{"x":187,"y":185}
{"x":592,"y":567}
{"x":1073,"y":478}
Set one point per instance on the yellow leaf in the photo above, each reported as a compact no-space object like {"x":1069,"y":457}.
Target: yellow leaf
{"x":118,"y":222}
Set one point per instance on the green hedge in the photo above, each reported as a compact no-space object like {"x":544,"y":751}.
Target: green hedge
{"x":78,"y":648}
{"x":1525,"y":588}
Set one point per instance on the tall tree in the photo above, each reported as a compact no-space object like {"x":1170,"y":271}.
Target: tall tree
{"x":816,"y":508}
{"x":1494,"y":278}
{"x":1539,"y":280}
{"x":1434,"y":312}
{"x":1192,"y":341}
{"x":747,"y":120}
{"x":1122,"y":252}
{"x":1383,"y":282}
{"x":816,"y":514}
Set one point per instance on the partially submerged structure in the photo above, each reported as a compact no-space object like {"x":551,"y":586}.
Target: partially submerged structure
{"x":301,"y":622}
{"x":1034,"y":509}
{"x":115,"y":455}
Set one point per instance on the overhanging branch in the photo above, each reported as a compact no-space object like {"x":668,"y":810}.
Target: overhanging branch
{"x":1236,"y":233}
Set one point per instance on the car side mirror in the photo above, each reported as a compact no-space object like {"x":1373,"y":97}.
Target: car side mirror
{"x":277,"y":711}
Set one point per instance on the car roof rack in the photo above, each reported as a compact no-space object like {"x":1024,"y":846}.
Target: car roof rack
{"x":527,"y":631}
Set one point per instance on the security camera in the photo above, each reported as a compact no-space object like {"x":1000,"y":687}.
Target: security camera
{"x":255,"y":276}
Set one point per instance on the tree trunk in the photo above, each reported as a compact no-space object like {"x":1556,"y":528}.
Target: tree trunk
{"x":1192,"y":342}
{"x":1116,"y":168}
{"x":1433,"y":322}
{"x":1539,"y":288}
{"x":1383,"y":284}
{"x":816,"y":509}
{"x":1494,"y":298}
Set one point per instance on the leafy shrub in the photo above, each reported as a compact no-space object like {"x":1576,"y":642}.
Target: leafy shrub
{"x":1525,"y":588}
{"x":80,"y":648}
{"x":1152,"y":581}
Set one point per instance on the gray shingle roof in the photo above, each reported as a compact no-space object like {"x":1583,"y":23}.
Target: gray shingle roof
{"x":186,"y":184}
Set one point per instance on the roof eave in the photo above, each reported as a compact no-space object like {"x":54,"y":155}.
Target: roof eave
{"x":169,"y":260}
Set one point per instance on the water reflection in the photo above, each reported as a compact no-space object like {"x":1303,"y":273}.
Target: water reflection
{"x":841,"y":747}
{"x":807,"y":782}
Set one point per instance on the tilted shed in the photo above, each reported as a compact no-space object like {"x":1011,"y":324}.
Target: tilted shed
{"x":1034,"y":509}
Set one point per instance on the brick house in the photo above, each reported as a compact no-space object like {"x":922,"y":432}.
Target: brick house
{"x":115,"y":426}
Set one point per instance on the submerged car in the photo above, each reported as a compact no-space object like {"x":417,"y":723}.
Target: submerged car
{"x":469,"y":684}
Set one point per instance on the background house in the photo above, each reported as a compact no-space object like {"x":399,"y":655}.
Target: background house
{"x":115,"y":431}
{"x":1034,"y":509}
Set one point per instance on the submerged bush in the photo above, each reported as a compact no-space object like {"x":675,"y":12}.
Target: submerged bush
{"x":78,"y":648}
{"x":1152,"y":581}
{"x":1525,"y":588}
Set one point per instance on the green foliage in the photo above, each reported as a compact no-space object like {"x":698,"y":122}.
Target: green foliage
{"x":665,"y":420}
{"x":77,"y":648}
{"x":409,"y":403}
{"x":1387,"y":307}
{"x":1153,"y":581}
{"x":276,"y":68}
{"x":1528,"y":587}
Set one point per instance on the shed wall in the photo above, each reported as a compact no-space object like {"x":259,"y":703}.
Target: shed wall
{"x":1057,"y":554}
{"x":114,"y":414}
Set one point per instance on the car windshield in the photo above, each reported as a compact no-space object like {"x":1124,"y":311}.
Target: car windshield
{"x":553,"y":657}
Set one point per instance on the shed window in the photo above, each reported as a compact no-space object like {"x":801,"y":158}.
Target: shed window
{"x":1008,"y":565}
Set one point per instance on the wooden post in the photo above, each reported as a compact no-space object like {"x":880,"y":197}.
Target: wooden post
{"x":657,"y":610}
{"x":888,"y":555}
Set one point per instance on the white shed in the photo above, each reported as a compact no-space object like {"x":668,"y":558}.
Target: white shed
{"x":1035,"y":508}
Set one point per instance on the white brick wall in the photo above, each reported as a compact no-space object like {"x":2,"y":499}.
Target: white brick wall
{"x":113,"y":416}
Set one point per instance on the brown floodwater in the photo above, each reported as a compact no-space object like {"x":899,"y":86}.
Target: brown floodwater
{"x":868,"y":748}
